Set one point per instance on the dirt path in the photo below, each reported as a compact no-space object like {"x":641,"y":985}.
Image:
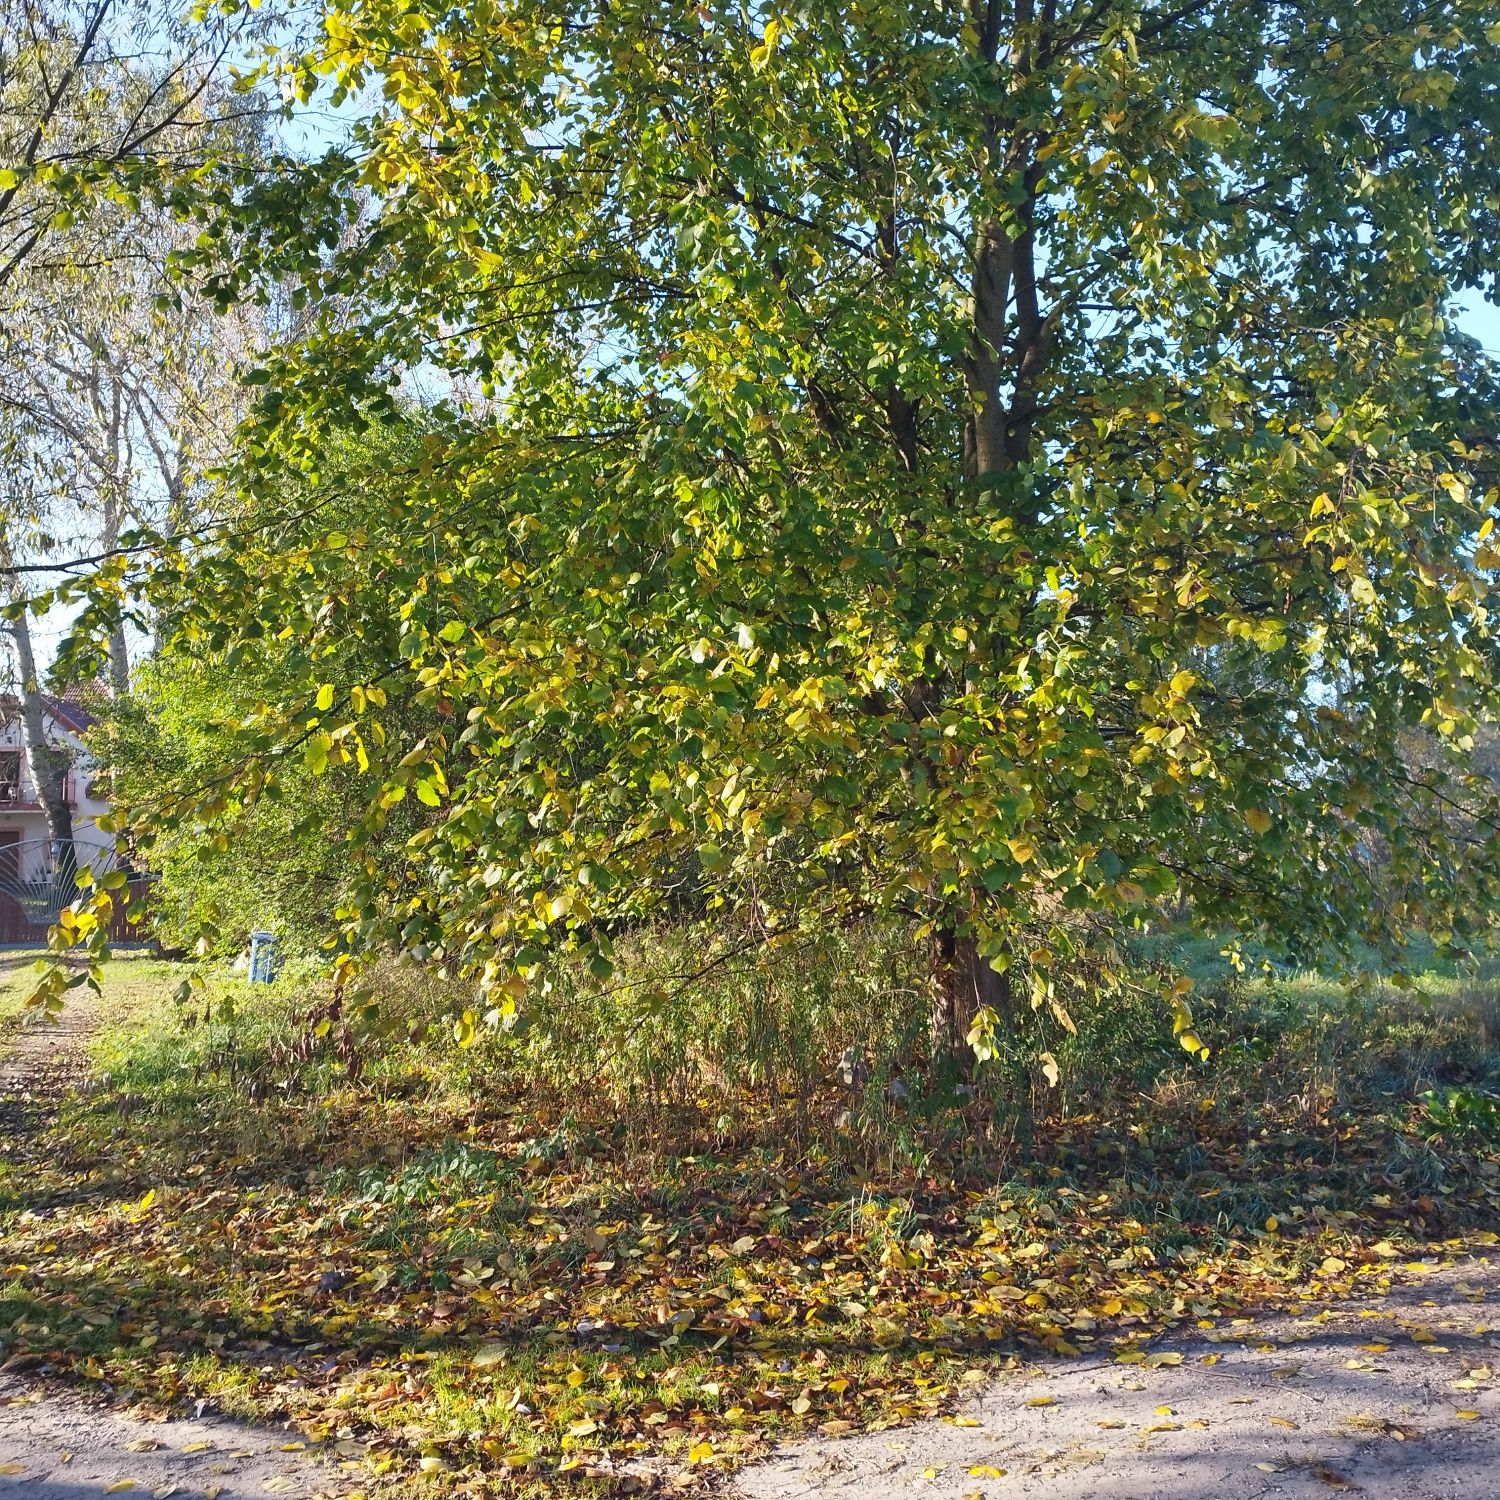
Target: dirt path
{"x":1392,"y":1398}
{"x":40,"y":1063}
{"x":54,"y":1446}
{"x":57,"y":1445}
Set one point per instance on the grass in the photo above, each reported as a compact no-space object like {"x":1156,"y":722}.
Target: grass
{"x":16,"y":983}
{"x":472,"y":1269}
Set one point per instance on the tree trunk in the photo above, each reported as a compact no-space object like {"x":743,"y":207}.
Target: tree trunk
{"x":119,"y":647}
{"x":1011,"y":342}
{"x":47,"y":764}
{"x":964,"y":983}
{"x":119,"y":663}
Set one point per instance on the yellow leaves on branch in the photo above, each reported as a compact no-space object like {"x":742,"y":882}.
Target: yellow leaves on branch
{"x":1182,"y":1024}
{"x":761,"y":56}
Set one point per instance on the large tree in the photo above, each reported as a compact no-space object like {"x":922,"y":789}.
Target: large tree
{"x":975,"y":463}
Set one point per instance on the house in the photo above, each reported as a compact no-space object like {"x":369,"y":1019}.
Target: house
{"x":28,"y":860}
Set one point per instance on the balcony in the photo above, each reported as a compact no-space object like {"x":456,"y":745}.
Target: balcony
{"x":18,"y":796}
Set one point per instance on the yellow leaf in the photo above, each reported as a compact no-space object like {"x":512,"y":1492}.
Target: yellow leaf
{"x":1050,"y":1070}
{"x":12,"y":1468}
{"x":986,"y":1471}
{"x":486,"y":1356}
{"x":1192,"y":1042}
{"x":1022,"y":850}
{"x":1467,"y":1415}
{"x":1259,"y":820}
{"x":119,"y":1486}
{"x":700,"y":1453}
{"x":1042,"y":1401}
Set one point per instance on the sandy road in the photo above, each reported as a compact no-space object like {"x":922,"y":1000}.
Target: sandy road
{"x":1391,"y":1398}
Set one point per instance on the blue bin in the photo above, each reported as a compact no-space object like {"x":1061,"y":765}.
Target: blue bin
{"x":262,"y":957}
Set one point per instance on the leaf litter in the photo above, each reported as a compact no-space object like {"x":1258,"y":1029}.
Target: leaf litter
{"x":588,"y":1326}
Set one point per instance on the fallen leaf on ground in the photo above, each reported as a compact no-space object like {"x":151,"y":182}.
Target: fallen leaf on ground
{"x":1332,"y":1478}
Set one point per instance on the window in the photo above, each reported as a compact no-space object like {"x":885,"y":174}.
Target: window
{"x":10,"y":776}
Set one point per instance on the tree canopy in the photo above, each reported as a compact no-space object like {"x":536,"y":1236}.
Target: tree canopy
{"x":1003,"y":467}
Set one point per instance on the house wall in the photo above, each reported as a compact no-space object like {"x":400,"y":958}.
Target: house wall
{"x":24,"y":815}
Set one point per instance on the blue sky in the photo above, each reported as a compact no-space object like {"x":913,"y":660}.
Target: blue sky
{"x":1482,"y":319}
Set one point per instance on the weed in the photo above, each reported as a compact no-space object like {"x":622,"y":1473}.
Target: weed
{"x":1464,"y":1113}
